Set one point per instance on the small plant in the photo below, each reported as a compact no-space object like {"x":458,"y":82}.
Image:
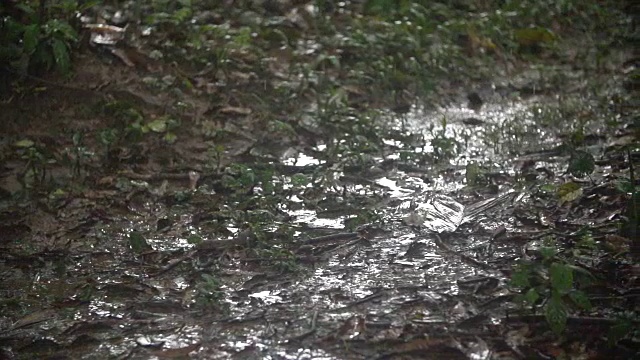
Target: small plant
{"x":475,"y":175}
{"x":77,"y":156}
{"x":208,"y":291}
{"x":445,"y":147}
{"x":581,"y":163}
{"x":280,"y":259}
{"x":108,"y":138}
{"x":138,"y":243}
{"x":630,"y":226}
{"x":552,"y":285}
{"x":239,"y":178}
{"x":34,"y":171}
{"x":39,"y":40}
{"x":216,"y":154}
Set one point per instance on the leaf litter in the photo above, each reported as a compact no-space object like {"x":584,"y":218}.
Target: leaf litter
{"x":387,"y":234}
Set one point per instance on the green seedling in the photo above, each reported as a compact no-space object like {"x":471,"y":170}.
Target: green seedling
{"x":551,"y":285}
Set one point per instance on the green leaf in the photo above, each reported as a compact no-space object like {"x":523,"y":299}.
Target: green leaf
{"x":581,"y":164}
{"x":548,"y":188}
{"x":561,"y":278}
{"x":569,"y":192}
{"x":299,"y":180}
{"x":194,"y":239}
{"x":625,"y":186}
{"x":182,"y":14}
{"x":24,"y":143}
{"x":619,"y":330}
{"x":137,"y":242}
{"x":587,"y":242}
{"x":61,"y":55}
{"x":28,"y":10}
{"x":472,"y":174}
{"x":61,"y":30}
{"x":108,"y":136}
{"x":532,"y":36}
{"x":170,"y":137}
{"x":87,"y":5}
{"x":520,"y":278}
{"x":548,"y":252}
{"x":556,"y":314}
{"x":531,"y":297}
{"x":158,"y":125}
{"x":30,"y":38}
{"x":580,"y":299}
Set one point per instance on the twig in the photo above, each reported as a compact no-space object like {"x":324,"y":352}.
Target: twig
{"x":332,"y":237}
{"x":173,"y":264}
{"x":361,"y":301}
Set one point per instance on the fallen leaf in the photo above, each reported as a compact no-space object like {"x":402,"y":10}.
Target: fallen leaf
{"x":232,"y":110}
{"x":176,"y":353}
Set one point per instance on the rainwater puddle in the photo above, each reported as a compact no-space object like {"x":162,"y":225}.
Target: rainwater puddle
{"x":421,"y":261}
{"x":404,"y":272}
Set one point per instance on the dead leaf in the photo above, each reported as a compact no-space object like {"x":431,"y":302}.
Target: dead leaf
{"x":181,"y":353}
{"x":534,"y":36}
{"x":232,"y":110}
{"x":617,"y":243}
{"x":353,"y":327}
{"x":102,"y":34}
{"x":350,"y":89}
{"x":122,"y":55}
{"x":33,"y":318}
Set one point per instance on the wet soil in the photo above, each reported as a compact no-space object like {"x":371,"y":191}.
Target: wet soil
{"x":150,"y":210}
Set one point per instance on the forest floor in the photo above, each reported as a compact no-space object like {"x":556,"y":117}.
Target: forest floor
{"x":324,"y":180}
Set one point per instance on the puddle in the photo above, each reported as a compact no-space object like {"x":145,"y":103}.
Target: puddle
{"x":379,"y":279}
{"x":410,"y":271}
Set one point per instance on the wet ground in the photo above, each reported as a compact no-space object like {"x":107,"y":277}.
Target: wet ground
{"x":264,"y":210}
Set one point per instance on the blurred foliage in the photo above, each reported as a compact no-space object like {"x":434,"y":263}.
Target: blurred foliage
{"x":38,"y":36}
